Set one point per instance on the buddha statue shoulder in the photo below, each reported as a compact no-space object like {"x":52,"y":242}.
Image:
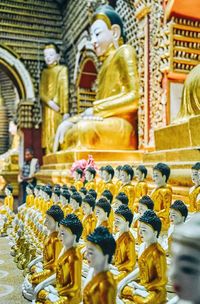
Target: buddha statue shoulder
{"x":115,"y":108}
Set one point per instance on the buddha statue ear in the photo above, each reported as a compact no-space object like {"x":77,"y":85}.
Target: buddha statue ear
{"x":116,"y":31}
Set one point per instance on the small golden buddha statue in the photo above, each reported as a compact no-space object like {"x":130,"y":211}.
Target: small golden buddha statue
{"x":162,"y":193}
{"x":195,"y":190}
{"x":125,"y":255}
{"x":66,"y":286}
{"x":109,"y":197}
{"x":185,"y":266}
{"x":120,"y":199}
{"x":141,"y":188}
{"x":108,"y":174}
{"x":151,"y":269}
{"x":53,"y":94}
{"x":65,"y":202}
{"x":89,"y":219}
{"x":76,"y":202}
{"x":190,"y":105}
{"x":118,"y":182}
{"x":100,"y":183}
{"x":100,"y":285}
{"x":8,"y":201}
{"x":102,"y":211}
{"x":90,"y":178}
{"x":144,"y":204}
{"x":115,"y":108}
{"x":78,"y":174}
{"x":127,"y":187}
{"x":83,"y":192}
{"x":52,"y":247}
{"x":55,"y":197}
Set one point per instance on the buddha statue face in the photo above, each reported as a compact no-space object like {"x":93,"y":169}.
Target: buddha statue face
{"x":195,"y":177}
{"x":185,"y":272}
{"x":101,"y":214}
{"x":176,"y":217}
{"x":86,"y":208}
{"x":139,"y":175}
{"x":125,"y":177}
{"x":102,"y":37}
{"x":117,"y":174}
{"x":147,"y":233}
{"x":77,"y":176}
{"x":120,"y":223}
{"x":7,"y":191}
{"x":66,"y":236}
{"x":158,"y":178}
{"x":89,"y":176}
{"x":95,"y":256}
{"x":74,"y":204}
{"x":117,"y":203}
{"x":50,"y":223}
{"x":106,"y":176}
{"x":142,"y":208}
{"x":51,"y":56}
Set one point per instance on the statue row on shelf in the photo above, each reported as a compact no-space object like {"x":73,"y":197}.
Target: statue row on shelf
{"x":65,"y":236}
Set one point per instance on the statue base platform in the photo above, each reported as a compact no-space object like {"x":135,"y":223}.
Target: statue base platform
{"x":181,"y":135}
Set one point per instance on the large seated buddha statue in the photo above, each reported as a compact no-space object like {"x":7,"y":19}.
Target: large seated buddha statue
{"x":111,"y":122}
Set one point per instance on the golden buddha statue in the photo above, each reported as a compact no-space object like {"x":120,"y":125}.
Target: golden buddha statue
{"x":53,"y":94}
{"x":190,"y":100}
{"x":66,"y":286}
{"x":78,"y":174}
{"x":90,"y":178}
{"x":102,"y":211}
{"x":100,"y":285}
{"x":125,"y":255}
{"x":151,"y":269}
{"x":108,"y":174}
{"x":76,"y":202}
{"x":65,"y":202}
{"x":118,"y":182}
{"x":89,"y":219}
{"x":195,"y":190}
{"x":162,"y":194}
{"x":127,"y":187}
{"x":141,"y":188}
{"x":8,"y":201}
{"x":52,"y":247}
{"x":115,"y":108}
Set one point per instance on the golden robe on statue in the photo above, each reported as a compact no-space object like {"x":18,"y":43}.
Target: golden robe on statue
{"x":53,"y":86}
{"x":116,"y":103}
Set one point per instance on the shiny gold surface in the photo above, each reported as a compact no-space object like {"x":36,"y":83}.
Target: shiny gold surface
{"x":152,"y":266}
{"x":53,"y":86}
{"x":116,"y":102}
{"x":101,"y":289}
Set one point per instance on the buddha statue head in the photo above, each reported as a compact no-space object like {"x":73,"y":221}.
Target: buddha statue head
{"x":120,"y":199}
{"x":108,"y":173}
{"x":141,"y":173}
{"x":150,"y":227}
{"x":101,"y":247}
{"x":30,"y":189}
{"x":161,"y":173}
{"x":8,"y":190}
{"x":102,"y":209}
{"x":196,"y":174}
{"x":88,"y":204}
{"x":75,"y":201}
{"x":71,"y":229}
{"x":78,"y":174}
{"x":144,"y":204}
{"x":123,"y":218}
{"x":117,"y":172}
{"x":65,"y":197}
{"x":90,"y":174}
{"x":83,"y":192}
{"x":51,"y":54}
{"x":127,"y":174}
{"x":108,"y":195}
{"x":56,"y":194}
{"x":53,"y":217}
{"x":93,"y":193}
{"x":106,"y":30}
{"x":37,"y":190}
{"x":185,"y":266}
{"x":178,"y":212}
{"x":101,"y":172}
{"x":47,"y":193}
{"x":72,"y":189}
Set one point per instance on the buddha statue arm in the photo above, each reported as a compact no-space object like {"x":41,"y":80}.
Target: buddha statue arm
{"x":56,"y":250}
{"x":161,"y":268}
{"x":127,"y":100}
{"x":131,"y":258}
{"x":130,"y":277}
{"x":63,"y":91}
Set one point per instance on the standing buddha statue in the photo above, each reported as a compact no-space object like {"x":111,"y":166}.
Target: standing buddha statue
{"x":53,"y":94}
{"x":115,"y":108}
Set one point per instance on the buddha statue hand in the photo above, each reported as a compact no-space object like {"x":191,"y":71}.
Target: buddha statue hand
{"x":142,"y":293}
{"x":53,"y":106}
{"x":136,"y":286}
{"x":88,"y":112}
{"x":60,"y":133}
